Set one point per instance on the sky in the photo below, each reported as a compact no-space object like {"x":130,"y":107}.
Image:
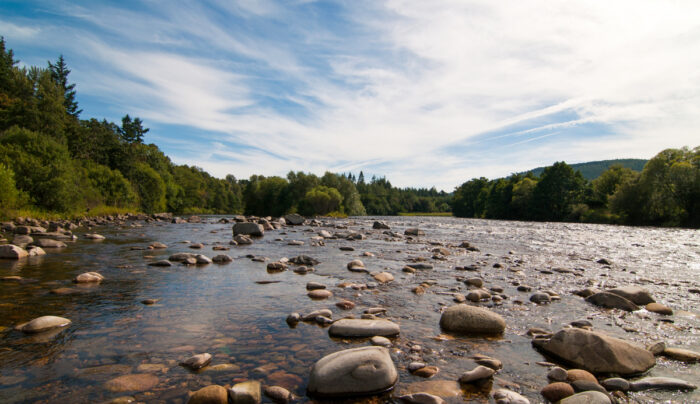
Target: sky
{"x":426,"y":93}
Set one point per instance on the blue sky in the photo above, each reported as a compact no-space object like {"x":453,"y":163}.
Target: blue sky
{"x":425,"y":93}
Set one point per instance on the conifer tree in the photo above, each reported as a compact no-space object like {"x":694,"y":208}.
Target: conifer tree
{"x":59,"y":73}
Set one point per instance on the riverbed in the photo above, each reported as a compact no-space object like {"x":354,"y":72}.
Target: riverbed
{"x":236,"y":311}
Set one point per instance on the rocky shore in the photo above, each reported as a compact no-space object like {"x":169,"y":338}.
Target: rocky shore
{"x":477,"y":303}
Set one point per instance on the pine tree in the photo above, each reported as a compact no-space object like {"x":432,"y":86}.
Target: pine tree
{"x":361,"y":178}
{"x":132,"y":131}
{"x":59,"y":73}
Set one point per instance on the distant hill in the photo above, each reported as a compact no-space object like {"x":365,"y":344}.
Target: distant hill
{"x":593,"y":169}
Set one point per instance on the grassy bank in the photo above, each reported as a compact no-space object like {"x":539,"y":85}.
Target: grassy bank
{"x":39,"y":214}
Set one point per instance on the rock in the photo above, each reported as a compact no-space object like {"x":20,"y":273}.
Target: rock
{"x":573,"y":375}
{"x":661,"y":383}
{"x":421,"y":266}
{"x":587,"y":385}
{"x":466,"y":319}
{"x":202,"y":259}
{"x":611,"y":301}
{"x":540,"y":298}
{"x":494,"y":364}
{"x":314,"y":286}
{"x":248,"y":229}
{"x":157,"y":245}
{"x":659,"y":308}
{"x":94,"y":236}
{"x":320,"y":294}
{"x":616,"y":384}
{"x":49,"y":243}
{"x":351,"y":372}
{"x":476,"y":375}
{"x":427,"y":371}
{"x":222,"y":259}
{"x":476,"y":282}
{"x":304,"y":260}
{"x":242,"y":239}
{"x":504,"y":396}
{"x":325,"y":234}
{"x":380,"y":341}
{"x":12,"y":252}
{"x":317,"y":313}
{"x":604,"y":261}
{"x":356,"y":266}
{"x":180,"y":257}
{"x":197,"y":361}
{"x":245,"y":393}
{"x":276,"y":267}
{"x":586,"y":292}
{"x":380,"y":226}
{"x":43,"y":323}
{"x":196,"y":246}
{"x":634,"y":294}
{"x":587,"y":397}
{"x":34,"y":251}
{"x":89,"y":277}
{"x":414,"y":232}
{"x":682,"y":355}
{"x":345,"y":305}
{"x":293,"y":319}
{"x":149,"y":302}
{"x":595,"y":352}
{"x":294,"y":219}
{"x":384,"y":277}
{"x":161,"y":263}
{"x":363,"y":328}
{"x":194,"y":219}
{"x":132,"y":382}
{"x":557,"y":391}
{"x":213,"y":394}
{"x":421,"y":398}
{"x":557,"y":374}
{"x":277,"y":394}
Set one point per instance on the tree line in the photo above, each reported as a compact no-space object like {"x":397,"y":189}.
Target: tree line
{"x":52,"y":160}
{"x":665,"y":193}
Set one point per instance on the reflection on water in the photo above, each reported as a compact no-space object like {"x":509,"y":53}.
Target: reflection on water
{"x":221,"y":309}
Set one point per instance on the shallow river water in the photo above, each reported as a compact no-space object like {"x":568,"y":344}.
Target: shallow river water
{"x":221,"y":309}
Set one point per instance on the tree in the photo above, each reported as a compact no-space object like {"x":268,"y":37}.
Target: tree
{"x":321,"y":200}
{"x":610,"y":181}
{"x":559,"y":188}
{"x":150,"y":188}
{"x":132,"y":131}
{"x":9,"y":194}
{"x":470,"y":198}
{"x":59,"y":73}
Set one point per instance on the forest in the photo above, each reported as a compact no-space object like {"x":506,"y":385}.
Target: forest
{"x":54,"y":161}
{"x":665,"y":193}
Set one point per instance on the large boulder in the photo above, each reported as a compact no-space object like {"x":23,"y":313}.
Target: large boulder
{"x":248,"y":229}
{"x":245,"y":393}
{"x":43,"y":323}
{"x":12,"y":252}
{"x":294,"y":219}
{"x":611,"y":301}
{"x":363,"y":328}
{"x":596,"y":352}
{"x":635,"y":294}
{"x":465,"y":319}
{"x":353,"y":372}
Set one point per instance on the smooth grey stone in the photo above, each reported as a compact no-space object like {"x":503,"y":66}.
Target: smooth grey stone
{"x":466,"y":319}
{"x":421,"y":398}
{"x":587,"y":397}
{"x":611,"y":301}
{"x":661,"y":383}
{"x":476,"y":374}
{"x":363,"y":328}
{"x":357,"y":371}
{"x":43,"y":323}
{"x":616,"y":384}
{"x":634,"y":294}
{"x":505,"y":396}
{"x":248,"y":229}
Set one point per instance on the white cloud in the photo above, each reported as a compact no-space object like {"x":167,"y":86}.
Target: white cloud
{"x":13,"y":31}
{"x":425,"y":91}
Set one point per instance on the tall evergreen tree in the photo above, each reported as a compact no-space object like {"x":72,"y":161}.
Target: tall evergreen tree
{"x":59,"y":73}
{"x":132,"y":131}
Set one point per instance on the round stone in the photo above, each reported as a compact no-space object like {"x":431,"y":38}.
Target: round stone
{"x":466,"y":319}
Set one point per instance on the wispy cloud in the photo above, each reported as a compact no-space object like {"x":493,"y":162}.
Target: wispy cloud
{"x":426,"y":93}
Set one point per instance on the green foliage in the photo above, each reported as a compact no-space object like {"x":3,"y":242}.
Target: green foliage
{"x":149,"y":187}
{"x":132,"y":131}
{"x":351,"y":201}
{"x":558,"y":189}
{"x":266,"y":196}
{"x":112,"y":187}
{"x":59,"y":74}
{"x":470,"y":198}
{"x":9,"y":194}
{"x":43,"y":169}
{"x":320,"y":200}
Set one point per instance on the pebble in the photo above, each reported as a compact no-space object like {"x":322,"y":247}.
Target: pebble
{"x":477,"y":374}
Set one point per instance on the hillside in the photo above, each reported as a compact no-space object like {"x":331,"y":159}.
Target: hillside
{"x":592,"y":169}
